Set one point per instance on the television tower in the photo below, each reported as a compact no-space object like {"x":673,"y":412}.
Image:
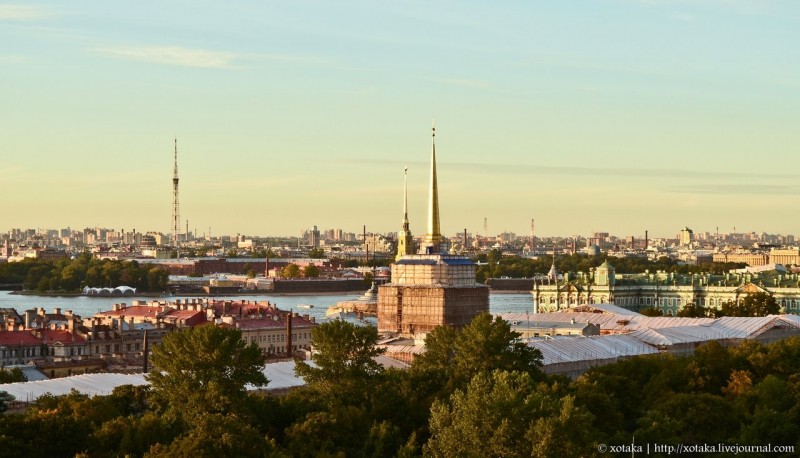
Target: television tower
{"x":176,"y":217}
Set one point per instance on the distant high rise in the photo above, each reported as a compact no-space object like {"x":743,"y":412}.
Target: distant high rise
{"x":313,"y":237}
{"x":176,"y":218}
{"x":686,"y":236}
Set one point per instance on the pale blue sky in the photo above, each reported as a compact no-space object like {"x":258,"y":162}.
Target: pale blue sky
{"x":605,"y":115}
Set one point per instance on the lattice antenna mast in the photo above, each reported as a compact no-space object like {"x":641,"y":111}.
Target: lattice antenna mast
{"x":176,"y":217}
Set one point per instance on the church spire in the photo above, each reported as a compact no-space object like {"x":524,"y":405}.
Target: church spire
{"x":433,"y":242}
{"x":433,"y":198}
{"x":405,"y":241}
{"x":405,"y":199}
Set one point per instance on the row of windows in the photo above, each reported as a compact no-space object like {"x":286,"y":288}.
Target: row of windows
{"x":128,"y":347}
{"x":276,"y":338}
{"x":789,"y":304}
{"x":37,"y":351}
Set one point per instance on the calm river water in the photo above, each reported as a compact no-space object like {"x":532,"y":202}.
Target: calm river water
{"x":87,"y":306}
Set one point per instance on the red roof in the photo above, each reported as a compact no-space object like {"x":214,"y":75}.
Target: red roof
{"x":189,"y":317}
{"x":62,"y":335}
{"x":144,"y":311}
{"x":17,"y":338}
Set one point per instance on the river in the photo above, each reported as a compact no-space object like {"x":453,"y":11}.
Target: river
{"x":86,"y":306}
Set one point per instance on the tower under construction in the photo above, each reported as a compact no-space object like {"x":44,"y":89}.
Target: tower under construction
{"x":430,"y":288}
{"x":176,"y":214}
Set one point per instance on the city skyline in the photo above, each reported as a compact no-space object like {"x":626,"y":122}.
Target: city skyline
{"x":618,"y":116}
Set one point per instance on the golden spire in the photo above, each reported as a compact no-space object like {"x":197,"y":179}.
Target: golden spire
{"x":433,"y":239}
{"x":433,"y":198}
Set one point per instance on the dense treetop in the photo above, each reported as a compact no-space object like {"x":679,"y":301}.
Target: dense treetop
{"x":485,"y":397}
{"x":73,"y":274}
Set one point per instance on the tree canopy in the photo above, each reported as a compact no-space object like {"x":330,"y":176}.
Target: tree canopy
{"x":343,"y":354}
{"x":72,"y":274}
{"x":311,"y":271}
{"x":291,"y":271}
{"x":747,"y":394}
{"x":204,"y":370}
{"x":485,"y":345}
{"x":753,"y":304}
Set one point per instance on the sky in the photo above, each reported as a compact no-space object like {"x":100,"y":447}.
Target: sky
{"x":612,"y":116}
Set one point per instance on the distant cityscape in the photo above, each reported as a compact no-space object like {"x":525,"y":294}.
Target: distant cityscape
{"x":751,"y":248}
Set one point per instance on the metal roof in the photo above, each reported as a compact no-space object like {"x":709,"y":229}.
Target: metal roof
{"x":590,"y":348}
{"x":280,"y":375}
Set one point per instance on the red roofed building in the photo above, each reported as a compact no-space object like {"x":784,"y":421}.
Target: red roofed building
{"x":20,"y":347}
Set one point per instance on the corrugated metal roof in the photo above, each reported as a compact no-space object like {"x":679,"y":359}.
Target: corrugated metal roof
{"x":610,"y":322}
{"x":590,"y":348}
{"x":90,"y":384}
{"x":411,"y":349}
{"x":611,"y":308}
{"x":280,"y":375}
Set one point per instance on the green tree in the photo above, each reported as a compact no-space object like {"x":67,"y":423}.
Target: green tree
{"x":316,"y":253}
{"x":157,"y":279}
{"x":652,"y":311}
{"x":290,"y":271}
{"x":753,"y":304}
{"x":484,"y":345}
{"x":311,"y":271}
{"x":72,"y":276}
{"x":760,"y":304}
{"x":693,"y":311}
{"x":343,"y":354}
{"x":503,"y":414}
{"x":12,"y":376}
{"x":213,"y":436}
{"x":204,"y":370}
{"x":5,"y":398}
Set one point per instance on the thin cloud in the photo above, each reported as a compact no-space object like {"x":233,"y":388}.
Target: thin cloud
{"x":294,"y":58}
{"x":12,"y":59}
{"x":171,"y":55}
{"x":22,"y":13}
{"x":465,"y":83}
{"x":729,"y":189}
{"x":621,"y":172}
{"x":684,"y":17}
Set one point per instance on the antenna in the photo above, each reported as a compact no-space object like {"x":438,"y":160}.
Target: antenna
{"x":176,"y":219}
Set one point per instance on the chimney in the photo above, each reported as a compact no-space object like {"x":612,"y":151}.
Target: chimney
{"x":30,"y":318}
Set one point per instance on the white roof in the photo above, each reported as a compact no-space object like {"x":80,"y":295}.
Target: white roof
{"x":609,"y":321}
{"x":280,"y":375}
{"x":718,"y":329}
{"x":590,"y":348}
{"x":91,"y":384}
